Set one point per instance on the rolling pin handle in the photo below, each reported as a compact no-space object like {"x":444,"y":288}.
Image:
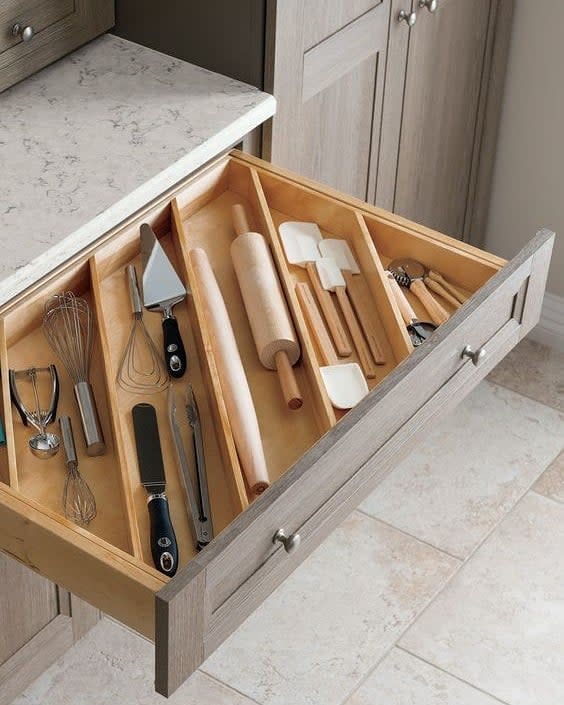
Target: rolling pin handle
{"x":288,"y":382}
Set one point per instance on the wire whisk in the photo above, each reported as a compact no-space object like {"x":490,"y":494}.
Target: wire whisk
{"x":142,"y":369}
{"x":79,"y":504}
{"x":69,"y":327}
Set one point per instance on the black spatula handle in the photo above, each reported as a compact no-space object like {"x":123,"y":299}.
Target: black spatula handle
{"x":164,"y":548}
{"x":174,"y":352}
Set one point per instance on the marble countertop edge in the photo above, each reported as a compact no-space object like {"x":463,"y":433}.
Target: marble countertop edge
{"x":75,"y":242}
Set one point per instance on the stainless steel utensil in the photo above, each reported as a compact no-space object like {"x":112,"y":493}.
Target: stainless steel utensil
{"x":418,"y":330}
{"x":410,"y":273}
{"x":198,"y":502}
{"x":43,"y":444}
{"x":68,"y":326}
{"x":162,"y":290}
{"x":79,"y":504}
{"x":142,"y":369}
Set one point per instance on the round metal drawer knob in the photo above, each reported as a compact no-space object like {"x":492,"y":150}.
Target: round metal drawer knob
{"x":290,"y":542}
{"x":410,"y":18}
{"x":431,"y":5}
{"x":26,"y":32}
{"x":475,"y":355}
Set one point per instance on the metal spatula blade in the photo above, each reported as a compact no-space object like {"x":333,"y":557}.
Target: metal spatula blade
{"x":162,"y":287}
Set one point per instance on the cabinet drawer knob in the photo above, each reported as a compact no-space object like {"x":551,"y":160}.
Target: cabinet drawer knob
{"x":26,"y":32}
{"x":431,"y":5}
{"x":290,"y":542}
{"x":475,"y":355}
{"x":410,"y":18}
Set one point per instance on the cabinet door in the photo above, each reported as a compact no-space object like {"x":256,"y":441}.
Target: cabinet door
{"x":38,"y":623}
{"x":440,"y":123}
{"x":325,"y":65}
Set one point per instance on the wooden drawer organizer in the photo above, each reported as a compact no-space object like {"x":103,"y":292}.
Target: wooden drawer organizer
{"x":321,"y":462}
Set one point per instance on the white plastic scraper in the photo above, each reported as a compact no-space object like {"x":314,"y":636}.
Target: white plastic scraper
{"x":345,"y":384}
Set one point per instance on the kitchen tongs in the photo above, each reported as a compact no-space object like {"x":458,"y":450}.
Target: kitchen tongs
{"x":198,"y":502}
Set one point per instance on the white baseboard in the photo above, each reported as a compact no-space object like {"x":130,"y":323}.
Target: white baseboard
{"x":550,"y":329}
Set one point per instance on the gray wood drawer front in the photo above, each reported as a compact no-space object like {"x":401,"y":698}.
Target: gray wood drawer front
{"x":38,"y":15}
{"x":220,"y":588}
{"x":59,"y":26}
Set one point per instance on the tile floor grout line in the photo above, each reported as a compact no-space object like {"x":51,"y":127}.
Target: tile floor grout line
{"x":452,"y":675}
{"x":461,"y":566}
{"x":411,"y":536}
{"x":545,"y":496}
{"x":527,"y":396}
{"x":358,"y":685}
{"x":227,"y":685}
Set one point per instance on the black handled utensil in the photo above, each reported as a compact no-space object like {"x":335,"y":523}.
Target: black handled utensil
{"x":162,"y":289}
{"x":164,"y":548}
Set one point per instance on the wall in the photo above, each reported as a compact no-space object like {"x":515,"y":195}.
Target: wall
{"x":226,"y":36}
{"x":528,"y":185}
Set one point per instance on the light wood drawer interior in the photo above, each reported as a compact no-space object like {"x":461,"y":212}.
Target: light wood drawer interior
{"x":38,"y":14}
{"x":109,"y":563}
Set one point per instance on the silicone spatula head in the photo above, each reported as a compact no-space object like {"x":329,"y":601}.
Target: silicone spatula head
{"x":341,"y":252}
{"x":300,"y":242}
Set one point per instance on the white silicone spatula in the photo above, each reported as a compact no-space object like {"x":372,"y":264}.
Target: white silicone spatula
{"x":300,"y":242}
{"x":332,"y":280}
{"x":358,"y":292}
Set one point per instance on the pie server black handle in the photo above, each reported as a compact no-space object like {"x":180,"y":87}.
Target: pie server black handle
{"x":175,"y":354}
{"x":164,"y":547}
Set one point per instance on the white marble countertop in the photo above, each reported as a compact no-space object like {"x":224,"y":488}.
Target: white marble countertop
{"x":89,"y":140}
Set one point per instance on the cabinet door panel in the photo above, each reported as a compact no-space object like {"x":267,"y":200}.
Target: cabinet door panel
{"x":28,"y":603}
{"x":330,"y":94}
{"x":440,"y":112}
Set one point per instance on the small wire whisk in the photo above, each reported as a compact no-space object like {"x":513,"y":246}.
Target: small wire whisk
{"x":69,"y":327}
{"x":142,"y":369}
{"x":79,"y":504}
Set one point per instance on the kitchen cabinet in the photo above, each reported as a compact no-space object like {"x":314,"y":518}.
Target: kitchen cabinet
{"x":39,"y":623}
{"x":404,"y":116}
{"x":321,"y":461}
{"x":34,"y":34}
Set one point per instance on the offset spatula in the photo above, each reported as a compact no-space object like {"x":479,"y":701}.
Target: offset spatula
{"x":162,"y":289}
{"x":164,"y":548}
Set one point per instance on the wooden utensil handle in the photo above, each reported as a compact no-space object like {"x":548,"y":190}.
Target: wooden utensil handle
{"x":327,"y":305}
{"x":437,"y":313}
{"x":316,"y":325}
{"x":240,"y":221}
{"x":362,"y":350}
{"x":288,"y":382}
{"x":407,"y":313}
{"x":234,"y":385}
{"x":441,"y":291}
{"x":461,"y":296}
{"x":359,"y":296}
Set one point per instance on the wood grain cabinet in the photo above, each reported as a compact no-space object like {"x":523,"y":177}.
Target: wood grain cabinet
{"x":400,"y":114}
{"x":322,"y":461}
{"x":403,"y":95}
{"x":38,"y":621}
{"x":34,"y":33}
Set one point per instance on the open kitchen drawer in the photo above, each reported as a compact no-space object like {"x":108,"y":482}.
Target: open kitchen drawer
{"x":321,"y":462}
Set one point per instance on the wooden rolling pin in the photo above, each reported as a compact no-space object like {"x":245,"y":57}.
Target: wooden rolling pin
{"x":271,"y":325}
{"x":234,"y":384}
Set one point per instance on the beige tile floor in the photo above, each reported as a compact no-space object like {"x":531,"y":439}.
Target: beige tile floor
{"x":445,"y":588}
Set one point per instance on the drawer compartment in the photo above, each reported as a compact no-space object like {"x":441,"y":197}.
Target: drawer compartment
{"x":321,"y":461}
